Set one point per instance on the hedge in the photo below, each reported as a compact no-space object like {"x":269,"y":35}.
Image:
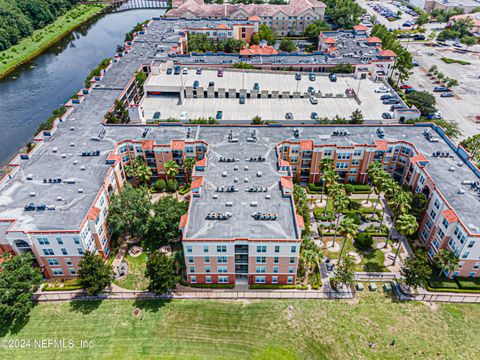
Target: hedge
{"x":316,"y":188}
{"x":272,"y":286}
{"x":184,"y":189}
{"x":65,"y":288}
{"x":212,"y":286}
{"x":452,"y":290}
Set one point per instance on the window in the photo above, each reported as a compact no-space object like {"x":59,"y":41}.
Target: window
{"x":207,"y":259}
{"x":262,"y":248}
{"x":53,"y":262}
{"x":261,"y":259}
{"x":293,"y":249}
{"x":193,"y":279}
{"x":207,"y":269}
{"x":435,"y":244}
{"x":290,"y":269}
{"x":428,"y":224}
{"x":189,"y":248}
{"x":222,"y":248}
{"x":208,"y":279}
{"x":57,"y":272}
{"x":290,"y":279}
{"x":260,"y":269}
{"x":431,"y":253}
{"x":433,"y":214}
{"x":292,"y":260}
{"x":471,"y":243}
{"x":275,"y":260}
{"x":68,"y":262}
{"x":424,"y":233}
{"x":72,"y":271}
{"x":355,"y":162}
{"x":357,"y":152}
{"x":343,"y":156}
{"x":445,"y":223}
{"x":76,"y":240}
{"x":222,"y":259}
{"x":205,"y":248}
{"x":274,"y":279}
{"x":277,"y":248}
{"x":48,"y":252}
{"x":190,"y":259}
{"x":222,"y":269}
{"x":80,"y":251}
{"x":441,"y":234}
{"x":64,"y":251}
{"x":223,"y":279}
{"x":275,"y":269}
{"x":471,"y":274}
{"x":192,"y":269}
{"x":437,"y":204}
{"x":260,"y":279}
{"x":43,"y":241}
{"x":476,"y":266}
{"x":465,"y":255}
{"x":59,"y":241}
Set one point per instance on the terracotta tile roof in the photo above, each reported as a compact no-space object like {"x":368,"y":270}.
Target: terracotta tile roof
{"x":306,"y":145}
{"x":418,"y":158}
{"x":147,"y":144}
{"x":198,"y":182}
{"x":222,"y":26}
{"x":202,"y":162}
{"x":387,"y":53}
{"x":93,"y":213}
{"x":328,"y":40}
{"x":258,"y":50}
{"x":360,"y":27}
{"x":183,"y":221}
{"x":254,"y":18}
{"x":286,"y":182}
{"x":300,"y":221}
{"x":382,"y":145}
{"x":374,"y":39}
{"x":450,"y":215}
{"x":284,"y":163}
{"x":113,"y":156}
{"x":178,"y":144}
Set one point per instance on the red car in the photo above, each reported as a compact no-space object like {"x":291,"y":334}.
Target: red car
{"x":405,"y":87}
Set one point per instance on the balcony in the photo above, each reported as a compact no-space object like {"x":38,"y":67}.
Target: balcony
{"x":241,"y":259}
{"x":241,"y":269}
{"x":241,"y":249}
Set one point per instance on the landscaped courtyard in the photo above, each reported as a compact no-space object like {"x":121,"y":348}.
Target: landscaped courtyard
{"x":254,"y":329}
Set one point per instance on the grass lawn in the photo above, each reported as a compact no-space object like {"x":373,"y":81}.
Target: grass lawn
{"x":41,"y":39}
{"x":312,"y":329}
{"x":135,"y":279}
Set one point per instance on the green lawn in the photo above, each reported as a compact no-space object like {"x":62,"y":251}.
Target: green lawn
{"x":135,"y":279}
{"x":312,"y":329}
{"x":41,"y":39}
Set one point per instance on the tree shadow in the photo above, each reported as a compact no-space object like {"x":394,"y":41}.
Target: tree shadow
{"x":84,"y":306}
{"x":151,"y":305}
{"x":14,"y":326}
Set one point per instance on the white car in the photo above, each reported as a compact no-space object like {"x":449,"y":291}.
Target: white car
{"x":184,"y":116}
{"x":185,"y":71}
{"x":382,"y":89}
{"x":313,"y":100}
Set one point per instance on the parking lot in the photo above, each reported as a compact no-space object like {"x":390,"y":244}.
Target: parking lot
{"x":388,"y":6}
{"x":464,"y":106}
{"x":276,"y":95}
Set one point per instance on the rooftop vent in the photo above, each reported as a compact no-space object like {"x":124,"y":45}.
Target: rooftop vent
{"x":75,"y":162}
{"x":30,"y":177}
{"x":461,"y":191}
{"x":55,"y":149}
{"x":268,"y":196}
{"x":229,"y":203}
{"x":72,"y":144}
{"x":72,"y":128}
{"x":224,"y":215}
{"x":33,"y":193}
{"x":264,"y":216}
{"x":254,"y":204}
{"x":451,"y":168}
{"x":64,"y":156}
{"x":70,"y":181}
{"x":296,"y":133}
{"x":80,"y":191}
{"x":59,"y":198}
{"x":82,"y":167}
{"x":215,"y":196}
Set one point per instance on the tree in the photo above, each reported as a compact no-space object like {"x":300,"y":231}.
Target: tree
{"x":188,"y":165}
{"x":348,"y":229}
{"x":418,"y":205}
{"x":390,"y":188}
{"x":406,"y":225}
{"x":372,"y":171}
{"x":433,"y":69}
{"x":300,"y":199}
{"x":331,"y":178}
{"x":159,"y":271}
{"x":256,"y":120}
{"x":451,"y":128}
{"x":264,"y":33}
{"x":445,"y":260}
{"x":431,"y":37}
{"x":462,"y":27}
{"x":423,"y":101}
{"x":447,"y":34}
{"x":128,"y":211}
{"x":172,"y":170}
{"x":162,"y":225}
{"x":472,"y":145}
{"x":18,"y":282}
{"x":287,"y":45}
{"x":469,"y":40}
{"x":344,"y":273}
{"x":340,"y":202}
{"x":119,"y":114}
{"x":400,"y":204}
{"x":379,"y":182}
{"x":452,"y":83}
{"x":243,"y":65}
{"x":94,"y":274}
{"x":415,"y":271}
{"x":364,"y":241}
{"x":313,"y":30}
{"x":422,"y":19}
{"x":139,"y":171}
{"x":345,"y":13}
{"x":326,"y":165}
{"x":356,"y":117}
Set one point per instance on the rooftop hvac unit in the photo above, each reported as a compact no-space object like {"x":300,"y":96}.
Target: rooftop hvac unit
{"x":80,"y":191}
{"x":461,"y":191}
{"x":72,"y":144}
{"x":254,"y":204}
{"x":30,"y":177}
{"x":32,"y":194}
{"x":268,"y":196}
{"x":215,"y":196}
{"x":82,"y":167}
{"x":229,"y":203}
{"x":246,"y":180}
{"x":75,"y":162}
{"x":451,"y":168}
{"x":59,"y":198}
{"x":246,"y":168}
{"x":259,"y":173}
{"x":64,"y":156}
{"x":55,"y":149}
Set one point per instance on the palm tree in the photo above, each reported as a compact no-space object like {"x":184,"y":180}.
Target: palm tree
{"x":325,"y":165}
{"x":399,"y":204}
{"x":373,"y":169}
{"x":188,"y":165}
{"x":172,"y":169}
{"x":138,"y":170}
{"x":445,"y":260}
{"x":379,"y":182}
{"x":340,"y":202}
{"x":407,"y":224}
{"x":348,"y":229}
{"x":331,"y":178}
{"x":390,"y":188}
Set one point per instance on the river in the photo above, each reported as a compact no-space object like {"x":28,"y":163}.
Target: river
{"x":29,"y":94}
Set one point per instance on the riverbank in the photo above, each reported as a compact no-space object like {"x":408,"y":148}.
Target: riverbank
{"x":41,"y":39}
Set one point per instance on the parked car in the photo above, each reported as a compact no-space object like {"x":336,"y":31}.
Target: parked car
{"x":219,"y":115}
{"x":184,"y":116}
{"x":220,"y":73}
{"x":313,"y":100}
{"x":177,"y":70}
{"x":419,"y":37}
{"x":440,"y":89}
{"x":312,"y":77}
{"x":414,"y":63}
{"x":387,"y":96}
{"x":242,"y":99}
{"x":391,"y":101}
{"x":196,"y":84}
{"x":169,"y":71}
{"x":185,"y":71}
{"x":447,"y":94}
{"x":289,"y":116}
{"x":382,"y":89}
{"x":396,"y":106}
{"x":298,"y":76}
{"x":198,"y":71}
{"x":256,"y":86}
{"x":314,"y":115}
{"x":405,"y":87}
{"x":332,"y":77}
{"x":408,"y":91}
{"x":387,"y":115}
{"x":156,"y":115}
{"x":211,"y":83}
{"x":311,"y":90}
{"x":457,"y":44}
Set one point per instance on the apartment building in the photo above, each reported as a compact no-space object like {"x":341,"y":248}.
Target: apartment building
{"x":289,"y":19}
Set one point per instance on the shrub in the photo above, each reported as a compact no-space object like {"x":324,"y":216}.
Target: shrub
{"x":172,"y":185}
{"x":212,"y":286}
{"x":272,"y":286}
{"x":354,"y":217}
{"x":314,"y":188}
{"x":184,"y":189}
{"x":361,"y":188}
{"x":364,"y":241}
{"x":160,"y":185}
{"x":349,"y":189}
{"x":354,"y":205}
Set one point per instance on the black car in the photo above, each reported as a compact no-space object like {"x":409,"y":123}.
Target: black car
{"x":289,"y":116}
{"x":386,"y":115}
{"x":298,"y":76}
{"x":391,"y":101}
{"x":332,"y":77}
{"x":386,"y":97}
{"x":314,"y":116}
{"x":396,"y":106}
{"x":169,"y":71}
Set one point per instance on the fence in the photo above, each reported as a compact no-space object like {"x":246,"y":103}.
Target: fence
{"x":382,"y":277}
{"x":220,"y":295}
